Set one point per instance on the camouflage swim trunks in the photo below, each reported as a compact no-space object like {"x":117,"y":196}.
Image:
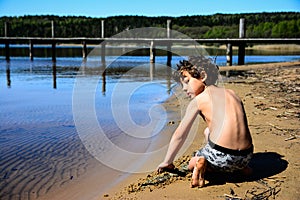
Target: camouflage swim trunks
{"x":223,"y":159}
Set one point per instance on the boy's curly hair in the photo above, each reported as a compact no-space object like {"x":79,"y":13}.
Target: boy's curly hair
{"x":195,"y":65}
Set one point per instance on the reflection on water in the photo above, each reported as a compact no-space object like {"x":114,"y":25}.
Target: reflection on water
{"x":66,"y":66}
{"x":8,"y":74}
{"x":39,"y":147}
{"x":54,"y":74}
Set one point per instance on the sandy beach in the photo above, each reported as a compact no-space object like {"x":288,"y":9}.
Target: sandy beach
{"x":270,"y":93}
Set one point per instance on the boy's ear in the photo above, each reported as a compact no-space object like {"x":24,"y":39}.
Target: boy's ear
{"x":203,"y":76}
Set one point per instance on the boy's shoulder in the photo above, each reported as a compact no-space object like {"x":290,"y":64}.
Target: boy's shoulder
{"x":203,"y":98}
{"x":215,"y":92}
{"x":217,"y":89}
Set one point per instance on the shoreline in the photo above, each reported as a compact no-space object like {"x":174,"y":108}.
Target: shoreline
{"x":179,"y":188}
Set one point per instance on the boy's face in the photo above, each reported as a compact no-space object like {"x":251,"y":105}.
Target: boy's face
{"x":192,"y":86}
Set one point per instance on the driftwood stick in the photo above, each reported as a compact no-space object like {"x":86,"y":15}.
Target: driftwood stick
{"x":291,"y":138}
{"x":231,"y":197}
{"x":276,"y":127}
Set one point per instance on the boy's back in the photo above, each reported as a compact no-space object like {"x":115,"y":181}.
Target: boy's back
{"x":224,"y":114}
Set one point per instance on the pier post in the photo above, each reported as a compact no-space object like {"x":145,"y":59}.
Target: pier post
{"x":169,"y":53}
{"x":52,"y":28}
{"x":242,"y":29}
{"x":6,"y":42}
{"x":169,"y":28}
{"x":103,"y":52}
{"x":152,"y":71}
{"x":5,"y":29}
{"x":229,"y":54}
{"x":53,"y":43}
{"x":152,"y":52}
{"x":102,"y":28}
{"x":242,"y":34}
{"x":7,"y":51}
{"x":84,"y":50}
{"x":31,"y":50}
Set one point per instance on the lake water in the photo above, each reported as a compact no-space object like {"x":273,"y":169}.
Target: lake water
{"x":41,"y":146}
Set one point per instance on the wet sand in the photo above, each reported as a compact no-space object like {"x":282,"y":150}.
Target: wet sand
{"x":42,"y":156}
{"x":270,"y":93}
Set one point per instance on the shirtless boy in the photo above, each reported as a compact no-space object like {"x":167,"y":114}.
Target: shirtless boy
{"x":229,"y":145}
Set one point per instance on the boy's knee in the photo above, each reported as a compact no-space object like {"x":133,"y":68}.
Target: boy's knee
{"x":192,"y":163}
{"x":206,"y":133}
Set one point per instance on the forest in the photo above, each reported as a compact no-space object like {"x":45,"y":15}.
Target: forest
{"x":258,"y":25}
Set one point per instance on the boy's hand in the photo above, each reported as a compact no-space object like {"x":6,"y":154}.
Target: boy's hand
{"x":165,"y":167}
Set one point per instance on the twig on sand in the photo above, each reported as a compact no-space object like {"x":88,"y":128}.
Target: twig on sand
{"x":276,"y":127}
{"x":265,"y":194}
{"x":291,"y":138}
{"x":231,"y":197}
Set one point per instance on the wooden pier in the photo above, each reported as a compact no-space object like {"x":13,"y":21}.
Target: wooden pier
{"x":152,"y":42}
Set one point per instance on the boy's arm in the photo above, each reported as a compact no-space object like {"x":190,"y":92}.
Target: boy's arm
{"x":180,"y":134}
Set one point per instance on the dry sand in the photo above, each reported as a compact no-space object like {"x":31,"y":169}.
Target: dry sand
{"x":270,"y":93}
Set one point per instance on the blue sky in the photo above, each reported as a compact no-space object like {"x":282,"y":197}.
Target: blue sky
{"x":105,"y":8}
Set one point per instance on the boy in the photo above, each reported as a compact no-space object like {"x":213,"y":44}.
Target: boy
{"x":229,"y":145}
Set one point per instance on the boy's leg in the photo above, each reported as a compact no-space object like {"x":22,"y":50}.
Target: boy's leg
{"x":198,"y":172}
{"x":192,"y":164}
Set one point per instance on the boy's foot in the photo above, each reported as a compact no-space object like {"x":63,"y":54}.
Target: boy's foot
{"x":198,"y":173}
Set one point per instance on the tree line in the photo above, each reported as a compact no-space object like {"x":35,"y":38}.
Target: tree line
{"x":267,"y":25}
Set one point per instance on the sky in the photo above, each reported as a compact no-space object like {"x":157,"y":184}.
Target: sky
{"x":174,"y":8}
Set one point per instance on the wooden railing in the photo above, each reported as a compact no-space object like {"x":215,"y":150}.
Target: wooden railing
{"x":152,"y":42}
